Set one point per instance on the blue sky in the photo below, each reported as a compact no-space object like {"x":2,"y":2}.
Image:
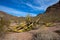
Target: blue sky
{"x":24,"y":7}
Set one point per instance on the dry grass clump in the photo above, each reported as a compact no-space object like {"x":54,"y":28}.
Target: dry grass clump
{"x":46,"y":35}
{"x":26,"y":25}
{"x":50,"y":24}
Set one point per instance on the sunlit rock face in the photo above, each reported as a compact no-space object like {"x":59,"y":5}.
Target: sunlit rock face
{"x":52,"y":13}
{"x":54,"y":9}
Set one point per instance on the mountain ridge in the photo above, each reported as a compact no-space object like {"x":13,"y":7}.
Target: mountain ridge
{"x":52,"y":13}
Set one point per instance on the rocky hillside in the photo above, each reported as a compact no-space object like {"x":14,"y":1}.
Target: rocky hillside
{"x":52,"y":14}
{"x":6,"y":16}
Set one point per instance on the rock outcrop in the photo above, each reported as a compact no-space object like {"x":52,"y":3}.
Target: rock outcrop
{"x":52,"y":14}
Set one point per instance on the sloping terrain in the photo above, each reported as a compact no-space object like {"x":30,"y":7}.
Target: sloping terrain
{"x":6,"y":16}
{"x":52,"y":14}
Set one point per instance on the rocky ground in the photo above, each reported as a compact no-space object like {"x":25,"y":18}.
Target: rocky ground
{"x":48,"y":32}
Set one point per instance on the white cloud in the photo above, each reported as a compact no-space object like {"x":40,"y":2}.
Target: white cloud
{"x":15,"y":12}
{"x":44,"y":4}
{"x":35,"y":7}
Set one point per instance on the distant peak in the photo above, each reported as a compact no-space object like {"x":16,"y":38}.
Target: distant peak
{"x":53,"y":7}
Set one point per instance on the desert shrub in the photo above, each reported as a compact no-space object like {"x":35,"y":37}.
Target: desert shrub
{"x":31,"y":24}
{"x":3,"y":25}
{"x":46,"y":35}
{"x":26,"y":25}
{"x":50,"y":24}
{"x":23,"y":25}
{"x":28,"y":18}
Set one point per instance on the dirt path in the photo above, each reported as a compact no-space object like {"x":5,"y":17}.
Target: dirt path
{"x":18,"y":36}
